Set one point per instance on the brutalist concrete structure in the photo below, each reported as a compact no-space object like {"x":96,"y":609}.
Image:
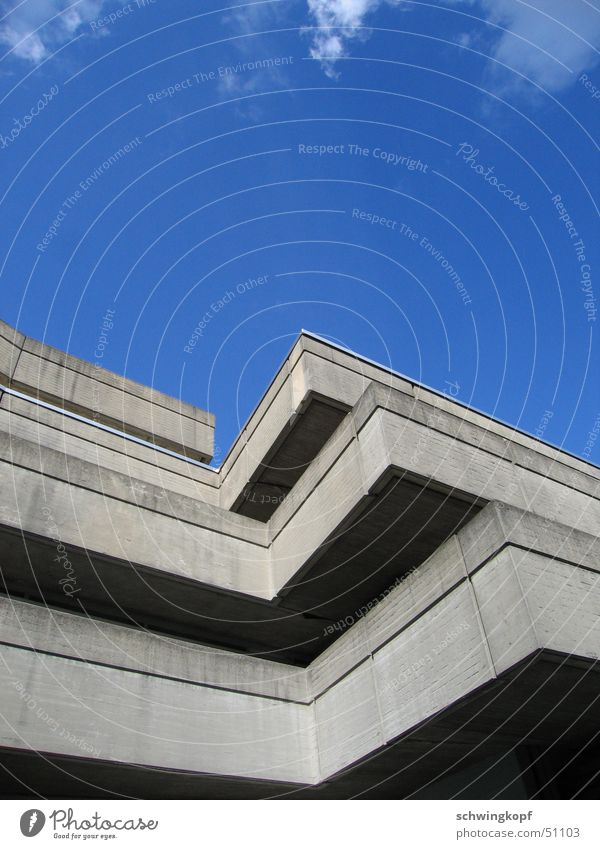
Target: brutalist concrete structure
{"x":379,"y":593}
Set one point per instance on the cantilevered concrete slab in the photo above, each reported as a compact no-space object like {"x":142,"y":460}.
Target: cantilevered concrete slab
{"x":375,"y":573}
{"x":45,"y":373}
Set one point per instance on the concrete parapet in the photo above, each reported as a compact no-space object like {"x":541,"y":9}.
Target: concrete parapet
{"x":45,"y":373}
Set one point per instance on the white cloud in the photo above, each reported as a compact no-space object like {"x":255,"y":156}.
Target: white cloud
{"x":342,"y":22}
{"x":34,"y":28}
{"x":244,"y":23}
{"x":543,"y":40}
{"x":546,"y":39}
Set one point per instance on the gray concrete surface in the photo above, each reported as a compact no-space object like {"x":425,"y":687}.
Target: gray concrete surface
{"x":421,"y":558}
{"x":443,"y":633}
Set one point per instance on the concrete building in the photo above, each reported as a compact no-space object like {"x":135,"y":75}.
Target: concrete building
{"x":379,"y":593}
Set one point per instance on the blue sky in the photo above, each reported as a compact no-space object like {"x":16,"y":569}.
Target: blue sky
{"x":415,"y":180}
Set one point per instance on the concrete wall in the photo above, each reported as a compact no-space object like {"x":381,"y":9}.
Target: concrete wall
{"x":449,"y":628}
{"x":47,"y":428}
{"x":172,"y":536}
{"x":149,"y":520}
{"x":521,"y":576}
{"x":134,"y":718}
{"x":98,"y":394}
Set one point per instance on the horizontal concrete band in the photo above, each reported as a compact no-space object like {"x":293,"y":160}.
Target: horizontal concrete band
{"x":496,"y":528}
{"x":519,"y":579}
{"x":103,"y":396}
{"x":313,"y":368}
{"x":78,"y":637}
{"x":102,"y":510}
{"x":321,"y":369}
{"x":106,"y":448}
{"x":450,"y":628}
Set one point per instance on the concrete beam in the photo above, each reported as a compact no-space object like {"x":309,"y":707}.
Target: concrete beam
{"x":242,"y":555}
{"x":444,"y":633}
{"x":46,"y":373}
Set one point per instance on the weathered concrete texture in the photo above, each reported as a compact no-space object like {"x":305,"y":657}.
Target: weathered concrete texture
{"x":130,"y":718}
{"x":387,"y":433}
{"x":440,"y":635}
{"x":126,"y":531}
{"x":477,"y":631}
{"x":374,"y":571}
{"x":95,"y":641}
{"x":317,"y":370}
{"x":313,"y":375}
{"x":348,"y":470}
{"x":76,"y":440}
{"x":98,"y":394}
